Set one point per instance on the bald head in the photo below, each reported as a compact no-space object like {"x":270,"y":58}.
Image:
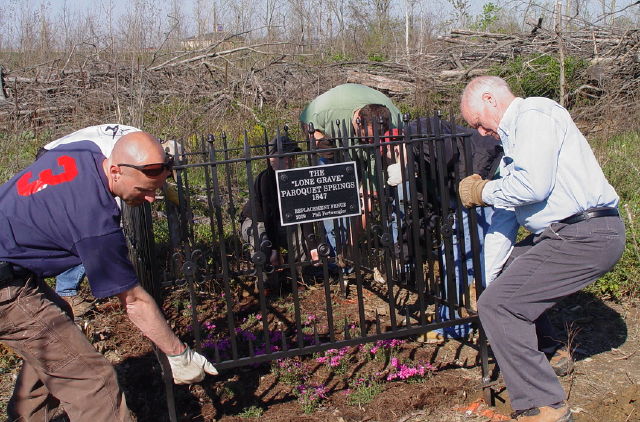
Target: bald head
{"x":137,"y":148}
{"x":128,"y":169}
{"x":484,"y":101}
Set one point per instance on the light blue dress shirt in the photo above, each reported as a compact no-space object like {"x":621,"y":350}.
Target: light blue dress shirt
{"x":548,"y":170}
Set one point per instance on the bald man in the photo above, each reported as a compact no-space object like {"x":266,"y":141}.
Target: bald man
{"x":553,"y":182}
{"x":57,"y":213}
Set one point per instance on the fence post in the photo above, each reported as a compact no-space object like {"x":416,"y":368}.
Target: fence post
{"x":138,"y":229}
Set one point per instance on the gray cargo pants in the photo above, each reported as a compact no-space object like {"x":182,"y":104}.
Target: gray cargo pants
{"x":561,"y":260}
{"x":60,"y":366}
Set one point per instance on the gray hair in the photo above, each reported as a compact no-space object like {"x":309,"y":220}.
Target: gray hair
{"x":482,"y":84}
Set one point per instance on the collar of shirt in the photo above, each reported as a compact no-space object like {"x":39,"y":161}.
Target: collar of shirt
{"x":507,"y":123}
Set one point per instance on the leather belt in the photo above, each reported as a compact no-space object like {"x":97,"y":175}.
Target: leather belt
{"x":590,"y":213}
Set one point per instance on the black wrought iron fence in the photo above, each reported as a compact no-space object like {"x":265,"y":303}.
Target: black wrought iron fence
{"x":353,"y":258}
{"x":137,"y":225}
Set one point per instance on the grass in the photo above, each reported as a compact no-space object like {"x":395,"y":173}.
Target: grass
{"x":363,"y":391}
{"x":251,"y":412}
{"x":9,"y":361}
{"x":538,"y":75}
{"x":17,"y":151}
{"x":618,"y":158}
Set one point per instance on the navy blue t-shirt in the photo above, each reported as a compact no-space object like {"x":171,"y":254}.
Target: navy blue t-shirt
{"x":58,"y":213}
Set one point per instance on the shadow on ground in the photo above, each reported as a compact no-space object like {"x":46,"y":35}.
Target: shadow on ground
{"x":588,"y":325}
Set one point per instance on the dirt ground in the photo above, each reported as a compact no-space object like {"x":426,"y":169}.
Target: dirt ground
{"x":605,"y":386}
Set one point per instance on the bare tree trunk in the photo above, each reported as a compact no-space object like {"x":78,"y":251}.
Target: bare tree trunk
{"x":603,"y":3}
{"x":560,"y":50}
{"x":612,"y":7}
{"x":406,"y":27}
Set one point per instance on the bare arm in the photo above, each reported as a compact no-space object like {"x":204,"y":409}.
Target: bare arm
{"x":145,"y":314}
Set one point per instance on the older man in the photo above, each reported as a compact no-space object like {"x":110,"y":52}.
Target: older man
{"x":553,"y":182}
{"x":57,"y":213}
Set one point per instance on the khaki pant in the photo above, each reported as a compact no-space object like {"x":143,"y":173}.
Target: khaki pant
{"x":60,"y":366}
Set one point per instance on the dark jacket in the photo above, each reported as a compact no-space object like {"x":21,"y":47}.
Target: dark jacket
{"x":265,"y":200}
{"x":486,"y":151}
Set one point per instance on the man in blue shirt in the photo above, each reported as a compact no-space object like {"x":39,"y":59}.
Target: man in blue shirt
{"x":57,"y":213}
{"x":553,"y":182}
{"x":104,"y":136}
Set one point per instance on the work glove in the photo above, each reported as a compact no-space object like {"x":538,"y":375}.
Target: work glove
{"x":395,"y":174}
{"x":470,"y":191}
{"x":189,"y":367}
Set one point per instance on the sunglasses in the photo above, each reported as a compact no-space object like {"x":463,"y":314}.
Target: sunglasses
{"x":153,"y":169}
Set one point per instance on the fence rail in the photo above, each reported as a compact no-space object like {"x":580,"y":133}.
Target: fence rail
{"x":401,"y":268}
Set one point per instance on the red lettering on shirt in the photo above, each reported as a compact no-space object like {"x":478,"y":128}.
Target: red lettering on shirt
{"x":47,"y":178}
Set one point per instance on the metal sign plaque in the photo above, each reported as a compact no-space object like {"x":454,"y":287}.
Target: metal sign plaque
{"x":315,"y":193}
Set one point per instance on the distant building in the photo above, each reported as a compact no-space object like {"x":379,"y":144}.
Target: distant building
{"x":226,"y":39}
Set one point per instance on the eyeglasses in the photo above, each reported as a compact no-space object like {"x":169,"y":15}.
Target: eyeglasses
{"x":153,"y":169}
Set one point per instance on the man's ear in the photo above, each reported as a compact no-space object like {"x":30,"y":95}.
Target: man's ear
{"x":114,"y":172}
{"x":489,"y":99}
{"x":318,"y":135}
{"x":356,"y":120}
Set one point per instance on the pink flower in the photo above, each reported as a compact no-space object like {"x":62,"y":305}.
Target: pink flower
{"x":405,"y":372}
{"x":335,"y":361}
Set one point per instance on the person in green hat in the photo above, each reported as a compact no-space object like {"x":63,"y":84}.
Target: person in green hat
{"x":360,"y":111}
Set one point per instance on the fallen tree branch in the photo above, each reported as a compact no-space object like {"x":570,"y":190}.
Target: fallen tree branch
{"x":217,"y":54}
